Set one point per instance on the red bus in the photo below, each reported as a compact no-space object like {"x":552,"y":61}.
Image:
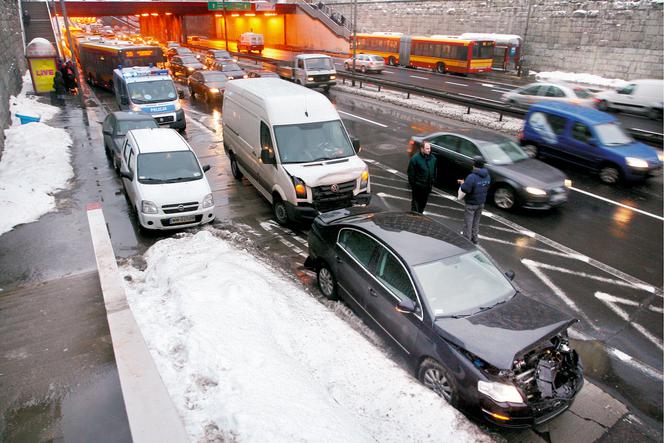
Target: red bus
{"x":442,"y":54}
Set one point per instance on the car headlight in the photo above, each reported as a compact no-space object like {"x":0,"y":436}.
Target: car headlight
{"x":135,"y":108}
{"x":500,"y":392}
{"x":568,"y":183}
{"x":214,"y":90}
{"x":634,"y":162}
{"x":300,"y":188}
{"x":245,"y":76}
{"x":333,"y":77}
{"x":535,"y":191}
{"x":189,"y":68}
{"x":310,"y":79}
{"x":208,"y":201}
{"x":178,"y":106}
{"x":660,"y":156}
{"x":148,"y":207}
{"x":364,"y":179}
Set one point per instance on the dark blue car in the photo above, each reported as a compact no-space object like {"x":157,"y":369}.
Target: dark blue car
{"x":588,"y":138}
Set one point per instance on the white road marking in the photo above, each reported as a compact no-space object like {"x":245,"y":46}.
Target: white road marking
{"x":387,"y":72}
{"x":480,"y":98}
{"x":488,"y":85}
{"x":362,"y":118}
{"x":288,"y":232}
{"x":457,"y":84}
{"x":610,"y":301}
{"x":532,"y":248}
{"x":268,"y":227}
{"x":421,"y":78}
{"x":631,"y":208}
{"x":500,"y":91}
{"x":612,"y":298}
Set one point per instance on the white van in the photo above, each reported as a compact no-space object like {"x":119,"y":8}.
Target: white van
{"x":292,"y":146}
{"x":640,"y":96}
{"x":164,"y":181}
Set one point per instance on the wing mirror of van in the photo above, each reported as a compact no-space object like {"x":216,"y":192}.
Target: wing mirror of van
{"x":267,"y":156}
{"x":124,"y":173}
{"x":180,"y":93}
{"x":357,"y":146}
{"x":124,"y":100}
{"x":206,"y":168}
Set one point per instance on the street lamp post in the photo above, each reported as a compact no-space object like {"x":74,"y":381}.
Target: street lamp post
{"x":354,"y":36}
{"x":225,"y":28}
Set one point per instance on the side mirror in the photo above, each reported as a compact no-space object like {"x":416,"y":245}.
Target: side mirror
{"x":357,"y":146}
{"x":180,"y":93}
{"x":267,"y":156}
{"x":124,"y":173}
{"x":124,"y":100}
{"x":106,"y":132}
{"x":510,"y":274}
{"x":592,"y":141}
{"x":406,"y":306}
{"x":206,"y":168}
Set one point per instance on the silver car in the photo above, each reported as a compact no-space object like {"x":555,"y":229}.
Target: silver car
{"x":549,"y":92}
{"x":365,"y":63}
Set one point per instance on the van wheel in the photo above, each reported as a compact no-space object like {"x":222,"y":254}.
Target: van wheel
{"x":440,"y":68}
{"x":504,"y":197}
{"x":439,"y":379}
{"x":235,"y":169}
{"x":280,"y":211}
{"x":609,"y":174}
{"x":603,"y":105}
{"x":392,"y":61}
{"x":531,"y":150}
{"x":326,"y":282}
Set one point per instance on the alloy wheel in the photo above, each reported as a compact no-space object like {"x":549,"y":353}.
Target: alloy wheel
{"x":435,"y":380}
{"x":326,"y":282}
{"x":609,"y":174}
{"x":504,"y":198}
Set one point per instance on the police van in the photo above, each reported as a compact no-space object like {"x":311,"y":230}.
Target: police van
{"x":151,"y":91}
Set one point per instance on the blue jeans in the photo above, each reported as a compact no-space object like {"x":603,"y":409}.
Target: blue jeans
{"x":471,"y":226}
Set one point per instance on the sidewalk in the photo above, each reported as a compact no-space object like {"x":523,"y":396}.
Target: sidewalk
{"x":58,"y":377}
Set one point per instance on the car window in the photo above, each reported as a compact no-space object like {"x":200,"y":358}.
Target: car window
{"x":581,"y":132}
{"x":266,"y":139}
{"x":394,"y":276}
{"x":360,"y":246}
{"x":132,"y":161}
{"x":450,"y":142}
{"x":557,"y":123}
{"x":376,"y":58}
{"x":125,"y":126}
{"x":532,"y":90}
{"x":300,"y":64}
{"x":107,"y":123}
{"x":582,"y":93}
{"x":176,"y":60}
{"x":466,"y":147}
{"x":554,"y":91}
{"x":627,"y":90}
{"x":127,"y":149}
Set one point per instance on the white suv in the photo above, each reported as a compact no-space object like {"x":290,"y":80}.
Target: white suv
{"x":366,"y":62}
{"x":164,"y":181}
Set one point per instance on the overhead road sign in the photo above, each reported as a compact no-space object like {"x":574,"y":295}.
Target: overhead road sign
{"x":229,"y":6}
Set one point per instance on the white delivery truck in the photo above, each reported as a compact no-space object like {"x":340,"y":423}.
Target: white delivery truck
{"x":290,"y":143}
{"x":312,"y":70}
{"x":250,"y":42}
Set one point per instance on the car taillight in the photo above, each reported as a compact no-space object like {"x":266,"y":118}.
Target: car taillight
{"x":520,"y":135}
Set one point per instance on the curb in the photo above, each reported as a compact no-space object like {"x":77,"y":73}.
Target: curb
{"x":150,"y":411}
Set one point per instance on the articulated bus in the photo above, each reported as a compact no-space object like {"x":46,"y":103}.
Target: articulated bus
{"x":99,"y":58}
{"x":440,"y":53}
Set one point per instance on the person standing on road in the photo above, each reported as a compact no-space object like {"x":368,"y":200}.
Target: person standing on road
{"x":474,"y":190}
{"x":60,"y":89}
{"x":421,"y":177}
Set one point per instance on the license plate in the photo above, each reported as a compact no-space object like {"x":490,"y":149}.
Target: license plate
{"x":558,"y":197}
{"x":183,"y":219}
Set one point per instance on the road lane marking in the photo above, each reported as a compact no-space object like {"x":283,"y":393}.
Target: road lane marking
{"x":421,"y":78}
{"x":624,"y":301}
{"x":362,"y":118}
{"x":612,"y":303}
{"x":457,"y":84}
{"x":613,"y":202}
{"x":387,"y":72}
{"x":488,"y":85}
{"x":268,"y":227}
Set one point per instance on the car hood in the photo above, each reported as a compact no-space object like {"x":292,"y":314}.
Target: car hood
{"x":194,"y":65}
{"x":328,"y":172}
{"x":175,"y":193}
{"x":638,"y":150}
{"x":531,"y":172}
{"x":236,"y":74}
{"x":502,"y":334}
{"x":218,"y":85}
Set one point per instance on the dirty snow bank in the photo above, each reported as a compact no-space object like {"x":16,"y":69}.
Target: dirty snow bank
{"x":247,"y":355}
{"x":589,"y":80}
{"x":35,"y":162}
{"x":487,"y":119}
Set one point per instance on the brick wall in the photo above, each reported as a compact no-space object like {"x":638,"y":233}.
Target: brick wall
{"x":621,"y":39}
{"x":12,"y":61}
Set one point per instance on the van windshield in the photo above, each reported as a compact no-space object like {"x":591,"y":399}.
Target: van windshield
{"x":320,"y":64}
{"x":152,"y":91}
{"x":310,"y":142}
{"x":168,"y":167}
{"x":610,"y":134}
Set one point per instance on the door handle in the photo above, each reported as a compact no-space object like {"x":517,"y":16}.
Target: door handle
{"x":373,"y":292}
{"x":338,"y":259}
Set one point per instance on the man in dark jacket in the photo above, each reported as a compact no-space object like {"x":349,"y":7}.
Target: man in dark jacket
{"x":476,"y":187}
{"x":421,"y":177}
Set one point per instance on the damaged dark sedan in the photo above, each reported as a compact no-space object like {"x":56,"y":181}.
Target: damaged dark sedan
{"x":470,"y":335}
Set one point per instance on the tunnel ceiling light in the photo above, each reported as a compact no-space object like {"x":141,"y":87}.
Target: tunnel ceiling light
{"x":235,"y":15}
{"x":145,"y":14}
{"x":168,"y":13}
{"x":154,"y":14}
{"x":250,"y":14}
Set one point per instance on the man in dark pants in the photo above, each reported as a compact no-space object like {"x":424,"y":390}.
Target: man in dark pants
{"x":476,"y":187}
{"x":421,"y":177}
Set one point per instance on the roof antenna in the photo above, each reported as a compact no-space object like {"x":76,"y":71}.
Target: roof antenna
{"x":306,"y":111}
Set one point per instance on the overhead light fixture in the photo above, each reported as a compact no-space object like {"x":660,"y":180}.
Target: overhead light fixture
{"x":250,"y":14}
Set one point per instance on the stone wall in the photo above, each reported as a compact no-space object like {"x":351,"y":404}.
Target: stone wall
{"x":621,"y":39}
{"x":12,"y":61}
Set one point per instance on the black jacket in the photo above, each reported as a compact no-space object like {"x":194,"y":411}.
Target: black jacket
{"x":422,"y":171}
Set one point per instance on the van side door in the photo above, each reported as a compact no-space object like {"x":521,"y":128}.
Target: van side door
{"x":268,"y":174}
{"x":579,"y":149}
{"x":624,"y":97}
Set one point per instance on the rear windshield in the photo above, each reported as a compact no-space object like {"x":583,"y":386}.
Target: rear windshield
{"x":230,"y":67}
{"x":128,"y":125}
{"x":189,"y":59}
{"x":582,"y":93}
{"x":376,"y":58}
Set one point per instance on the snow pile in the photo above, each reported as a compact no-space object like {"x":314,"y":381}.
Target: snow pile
{"x":487,"y":119}
{"x":247,"y":355}
{"x":35,"y":163}
{"x":581,"y":78}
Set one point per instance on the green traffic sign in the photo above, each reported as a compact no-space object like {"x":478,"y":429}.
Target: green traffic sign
{"x":229,"y":6}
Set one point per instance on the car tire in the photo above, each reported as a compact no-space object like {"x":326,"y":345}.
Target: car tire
{"x":513,"y":103}
{"x":363,"y":69}
{"x":531,"y":150}
{"x":280,"y":211}
{"x":235,"y":169}
{"x":346,"y":66}
{"x":609,"y":174}
{"x":391,"y":61}
{"x":441,"y":68}
{"x":603,"y":105}
{"x":327,"y":283}
{"x":504,"y":197}
{"x":439,"y":379}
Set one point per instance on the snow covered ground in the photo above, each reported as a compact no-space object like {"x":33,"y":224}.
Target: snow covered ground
{"x":248,"y":355}
{"x":35,"y":162}
{"x":589,"y":80}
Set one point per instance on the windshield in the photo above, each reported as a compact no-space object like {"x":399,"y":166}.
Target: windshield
{"x":152,"y":91}
{"x":321,"y":64}
{"x":128,"y":125}
{"x":188,"y":59}
{"x":463,"y":284}
{"x":230,"y":67}
{"x":582,"y":93}
{"x":610,"y":134}
{"x":212,"y":76}
{"x":221,"y":54}
{"x":504,"y":153}
{"x":168,"y":167}
{"x":309,"y":142}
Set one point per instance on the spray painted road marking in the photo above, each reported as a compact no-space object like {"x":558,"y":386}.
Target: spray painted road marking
{"x":362,"y":118}
{"x":612,"y":302}
{"x":457,"y":84}
{"x":288,"y":232}
{"x":631,"y":208}
{"x":268,"y":227}
{"x":421,"y":78}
